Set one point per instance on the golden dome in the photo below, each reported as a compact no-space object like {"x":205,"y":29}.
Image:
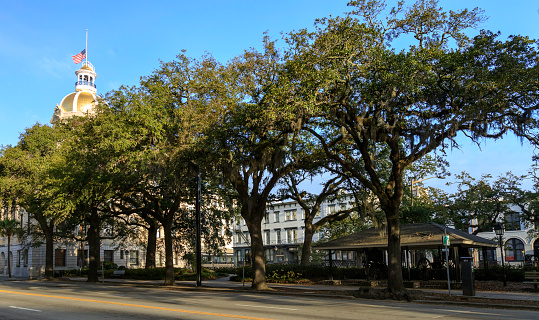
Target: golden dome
{"x":80,"y":101}
{"x":86,"y":67}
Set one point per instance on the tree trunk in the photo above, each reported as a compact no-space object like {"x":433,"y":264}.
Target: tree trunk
{"x":94,"y":244}
{"x":151,"y":246}
{"x":257,"y":255}
{"x":307,"y":243}
{"x":49,"y":252}
{"x":48,"y":229}
{"x":169,"y":253}
{"x":394,"y":280}
{"x":9,"y":255}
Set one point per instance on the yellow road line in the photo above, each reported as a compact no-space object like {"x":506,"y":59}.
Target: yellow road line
{"x":135,"y":305}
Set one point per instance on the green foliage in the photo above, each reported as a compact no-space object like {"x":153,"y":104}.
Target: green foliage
{"x":368,"y":98}
{"x":513,"y":273}
{"x":145,"y":274}
{"x":110,"y":265}
{"x":282,"y":277}
{"x":300,"y":274}
{"x":160,"y":273}
{"x":342,"y":95}
{"x":416,"y":214}
{"x":9,"y":227}
{"x":349,"y":225}
{"x":483,"y":203}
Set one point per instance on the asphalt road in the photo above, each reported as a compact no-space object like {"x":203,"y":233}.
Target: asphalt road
{"x":80,"y":301}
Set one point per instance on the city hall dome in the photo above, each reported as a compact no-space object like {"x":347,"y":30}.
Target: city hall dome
{"x":81,"y":102}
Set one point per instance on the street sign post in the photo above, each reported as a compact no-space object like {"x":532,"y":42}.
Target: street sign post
{"x":446,"y":242}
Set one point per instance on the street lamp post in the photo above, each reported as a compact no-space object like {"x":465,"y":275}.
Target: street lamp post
{"x":498,"y":229}
{"x":412,"y":187}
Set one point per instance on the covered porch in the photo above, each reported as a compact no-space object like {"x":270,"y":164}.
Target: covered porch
{"x":416,"y":241}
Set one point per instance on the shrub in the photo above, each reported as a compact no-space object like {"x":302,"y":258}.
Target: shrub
{"x":297,"y":273}
{"x":513,"y":273}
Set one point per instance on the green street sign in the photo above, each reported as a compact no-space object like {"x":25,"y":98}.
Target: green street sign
{"x":445,"y":240}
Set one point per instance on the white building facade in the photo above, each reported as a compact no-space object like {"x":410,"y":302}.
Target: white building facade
{"x":520,"y":241}
{"x":283,"y":231}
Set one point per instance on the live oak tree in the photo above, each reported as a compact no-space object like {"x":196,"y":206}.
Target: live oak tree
{"x":28,"y":178}
{"x":368,"y":94}
{"x":250,"y":139}
{"x":480,"y":204}
{"x":483,"y":203}
{"x":93,"y":153}
{"x":157,"y":179}
{"x":164,"y":120}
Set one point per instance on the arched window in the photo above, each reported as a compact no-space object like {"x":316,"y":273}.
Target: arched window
{"x":536,"y":248}
{"x":514,"y":250}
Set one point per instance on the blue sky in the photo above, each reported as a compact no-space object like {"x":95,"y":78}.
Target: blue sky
{"x":128,"y":38}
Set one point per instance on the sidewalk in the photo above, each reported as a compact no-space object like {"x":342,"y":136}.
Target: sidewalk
{"x":315,"y":290}
{"x":226,"y":283}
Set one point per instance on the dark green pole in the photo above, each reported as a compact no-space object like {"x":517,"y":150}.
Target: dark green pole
{"x":199,"y":236}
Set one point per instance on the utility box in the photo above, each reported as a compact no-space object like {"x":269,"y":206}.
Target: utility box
{"x":468,"y":281}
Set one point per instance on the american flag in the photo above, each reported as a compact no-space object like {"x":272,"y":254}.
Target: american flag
{"x":79,"y":57}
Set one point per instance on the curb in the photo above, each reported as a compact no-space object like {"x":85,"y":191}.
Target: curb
{"x":480,"y":305}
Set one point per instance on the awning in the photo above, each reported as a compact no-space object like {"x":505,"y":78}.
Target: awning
{"x":413,"y":236}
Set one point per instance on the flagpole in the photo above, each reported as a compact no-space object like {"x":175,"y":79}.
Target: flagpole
{"x":86,"y":46}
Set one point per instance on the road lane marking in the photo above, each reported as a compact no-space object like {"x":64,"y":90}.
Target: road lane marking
{"x":21,"y":308}
{"x":135,"y":305}
{"x":252,"y":306}
{"x":471,"y":312}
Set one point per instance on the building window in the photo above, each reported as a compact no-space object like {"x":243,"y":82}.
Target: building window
{"x":290,"y":215}
{"x":512,"y":221}
{"x":266,"y":217}
{"x":108,"y":256}
{"x":292,"y":235}
{"x":278,"y":235}
{"x":269,"y":254}
{"x":19,"y":258}
{"x":133,"y":258}
{"x":331,"y":209}
{"x":267,"y":236}
{"x":490,"y":254}
{"x":514,"y":250}
{"x":25,"y":258}
{"x":276,"y":214}
{"x":239,"y":237}
{"x":60,"y":257}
